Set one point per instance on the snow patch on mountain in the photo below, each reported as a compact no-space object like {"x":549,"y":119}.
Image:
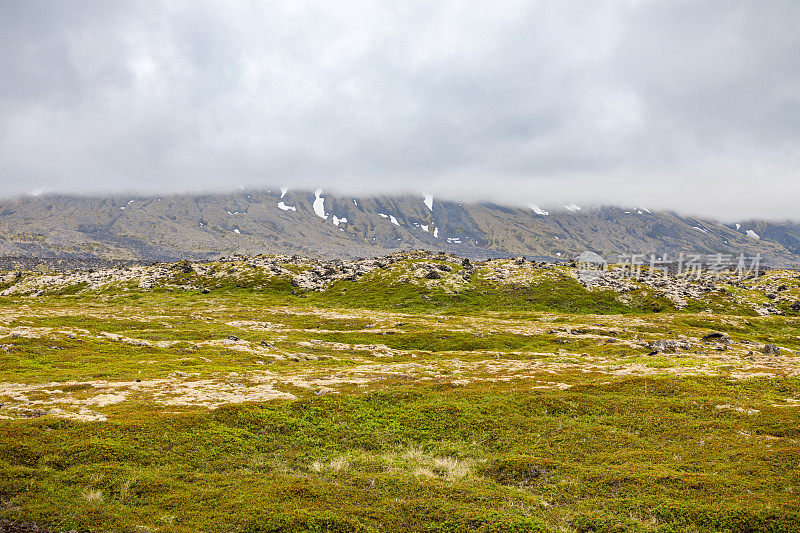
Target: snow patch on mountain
{"x":337,"y":220}
{"x":700,"y":229}
{"x":319,"y":204}
{"x":424,"y":227}
{"x":390,"y":217}
{"x":428,"y":201}
{"x":573,"y":207}
{"x":538,"y":210}
{"x":752,"y":234}
{"x":285,"y":207}
{"x":284,"y":190}
{"x":436,"y":233}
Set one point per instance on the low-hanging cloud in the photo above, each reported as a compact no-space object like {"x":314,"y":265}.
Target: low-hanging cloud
{"x":689,"y":105}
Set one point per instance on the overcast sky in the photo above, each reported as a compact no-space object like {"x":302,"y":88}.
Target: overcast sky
{"x":692,"y":105}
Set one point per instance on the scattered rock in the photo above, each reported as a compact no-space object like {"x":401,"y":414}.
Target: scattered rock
{"x":31,"y":413}
{"x":184,"y":267}
{"x":10,"y":526}
{"x":771,"y":349}
{"x":666,"y":346}
{"x":325,"y":391}
{"x":433,"y":274}
{"x":233,"y":338}
{"x":718,"y":337}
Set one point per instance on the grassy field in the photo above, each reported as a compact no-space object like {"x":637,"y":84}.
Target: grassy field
{"x":396,"y":404}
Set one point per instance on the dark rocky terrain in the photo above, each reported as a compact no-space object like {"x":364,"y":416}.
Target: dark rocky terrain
{"x":63,"y":231}
{"x":767,"y":292}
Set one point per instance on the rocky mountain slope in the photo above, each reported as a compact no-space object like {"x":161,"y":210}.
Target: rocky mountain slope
{"x":207,"y":226}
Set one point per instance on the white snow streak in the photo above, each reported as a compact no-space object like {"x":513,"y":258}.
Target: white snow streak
{"x":428,"y":201}
{"x":319,"y":205}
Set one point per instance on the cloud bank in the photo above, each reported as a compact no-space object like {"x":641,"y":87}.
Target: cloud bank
{"x":689,"y":105}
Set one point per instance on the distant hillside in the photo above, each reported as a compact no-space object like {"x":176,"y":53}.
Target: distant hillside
{"x":207,"y":226}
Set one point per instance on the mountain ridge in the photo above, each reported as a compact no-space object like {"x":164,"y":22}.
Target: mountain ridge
{"x":148,"y":227}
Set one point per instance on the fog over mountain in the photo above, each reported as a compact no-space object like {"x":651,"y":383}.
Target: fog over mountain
{"x":687,"y":106}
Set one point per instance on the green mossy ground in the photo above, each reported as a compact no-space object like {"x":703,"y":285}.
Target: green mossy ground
{"x":515,"y":407}
{"x":638,"y":455}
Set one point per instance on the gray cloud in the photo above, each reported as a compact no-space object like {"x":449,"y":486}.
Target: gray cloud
{"x":689,"y":105}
